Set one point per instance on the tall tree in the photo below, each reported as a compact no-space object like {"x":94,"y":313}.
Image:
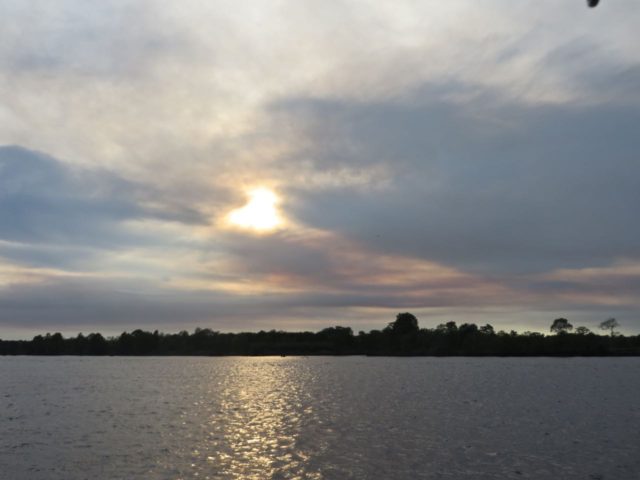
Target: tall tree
{"x":561,"y":325}
{"x":609,"y":324}
{"x":405,"y":323}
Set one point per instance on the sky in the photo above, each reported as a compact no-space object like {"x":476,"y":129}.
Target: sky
{"x":245,"y":165}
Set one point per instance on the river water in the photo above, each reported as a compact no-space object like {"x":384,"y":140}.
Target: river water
{"x":337,"y":418}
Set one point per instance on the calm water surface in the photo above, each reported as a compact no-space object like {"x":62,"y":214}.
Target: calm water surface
{"x":319,"y":418}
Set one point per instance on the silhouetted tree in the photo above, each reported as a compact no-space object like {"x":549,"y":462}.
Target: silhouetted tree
{"x":561,"y":325}
{"x":405,"y":323}
{"x":487,"y":329}
{"x":56,"y":343}
{"x":609,"y":324}
{"x":97,"y":345}
{"x":401,"y":337}
{"x":449,"y":327}
{"x":582,"y":331}
{"x":467,"y":329}
{"x":338,"y":339}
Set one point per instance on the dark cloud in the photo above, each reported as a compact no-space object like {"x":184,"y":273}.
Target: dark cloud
{"x":114,"y":304}
{"x":95,"y":301}
{"x":44,"y":201}
{"x":488,"y":185}
{"x":76,"y":303}
{"x":591,"y":69}
{"x":598,"y":284}
{"x":52,"y":214}
{"x":277,"y":254}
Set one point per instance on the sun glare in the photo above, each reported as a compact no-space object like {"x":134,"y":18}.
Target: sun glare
{"x":260,"y":213}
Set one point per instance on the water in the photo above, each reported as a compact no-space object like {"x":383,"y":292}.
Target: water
{"x":319,"y":418}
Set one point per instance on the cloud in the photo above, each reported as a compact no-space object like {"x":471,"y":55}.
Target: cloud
{"x":109,"y":41}
{"x":488,"y":185}
{"x":462,"y":158}
{"x":53,"y":214}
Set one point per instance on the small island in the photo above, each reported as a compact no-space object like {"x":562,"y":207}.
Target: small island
{"x":402,"y":337}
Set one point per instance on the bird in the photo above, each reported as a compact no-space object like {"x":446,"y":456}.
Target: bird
{"x":593,"y":3}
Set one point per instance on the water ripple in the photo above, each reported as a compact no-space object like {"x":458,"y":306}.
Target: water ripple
{"x":318,"y":418}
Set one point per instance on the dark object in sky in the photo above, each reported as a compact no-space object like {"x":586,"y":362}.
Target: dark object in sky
{"x":593,"y":3}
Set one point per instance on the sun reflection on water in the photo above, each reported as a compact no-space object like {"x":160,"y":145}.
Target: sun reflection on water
{"x":254,"y":433}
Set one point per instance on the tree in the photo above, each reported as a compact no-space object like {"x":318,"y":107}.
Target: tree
{"x":339,"y":336}
{"x":405,"y":323}
{"x":487,"y":329}
{"x":97,"y":344}
{"x":582,"y":331}
{"x":447,"y":328}
{"x":468,"y":329}
{"x":609,"y":324}
{"x":561,"y":325}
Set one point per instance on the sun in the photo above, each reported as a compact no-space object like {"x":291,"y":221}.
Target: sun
{"x":260,"y":213}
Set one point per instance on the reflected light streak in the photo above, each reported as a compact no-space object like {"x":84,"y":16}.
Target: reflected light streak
{"x":262,"y":410}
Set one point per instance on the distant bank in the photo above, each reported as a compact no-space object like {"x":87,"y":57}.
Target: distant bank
{"x":403,"y":337}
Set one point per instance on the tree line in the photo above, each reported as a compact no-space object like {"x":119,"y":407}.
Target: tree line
{"x":399,"y":338}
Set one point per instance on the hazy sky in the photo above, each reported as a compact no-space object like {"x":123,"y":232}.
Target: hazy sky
{"x":467,"y":161}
